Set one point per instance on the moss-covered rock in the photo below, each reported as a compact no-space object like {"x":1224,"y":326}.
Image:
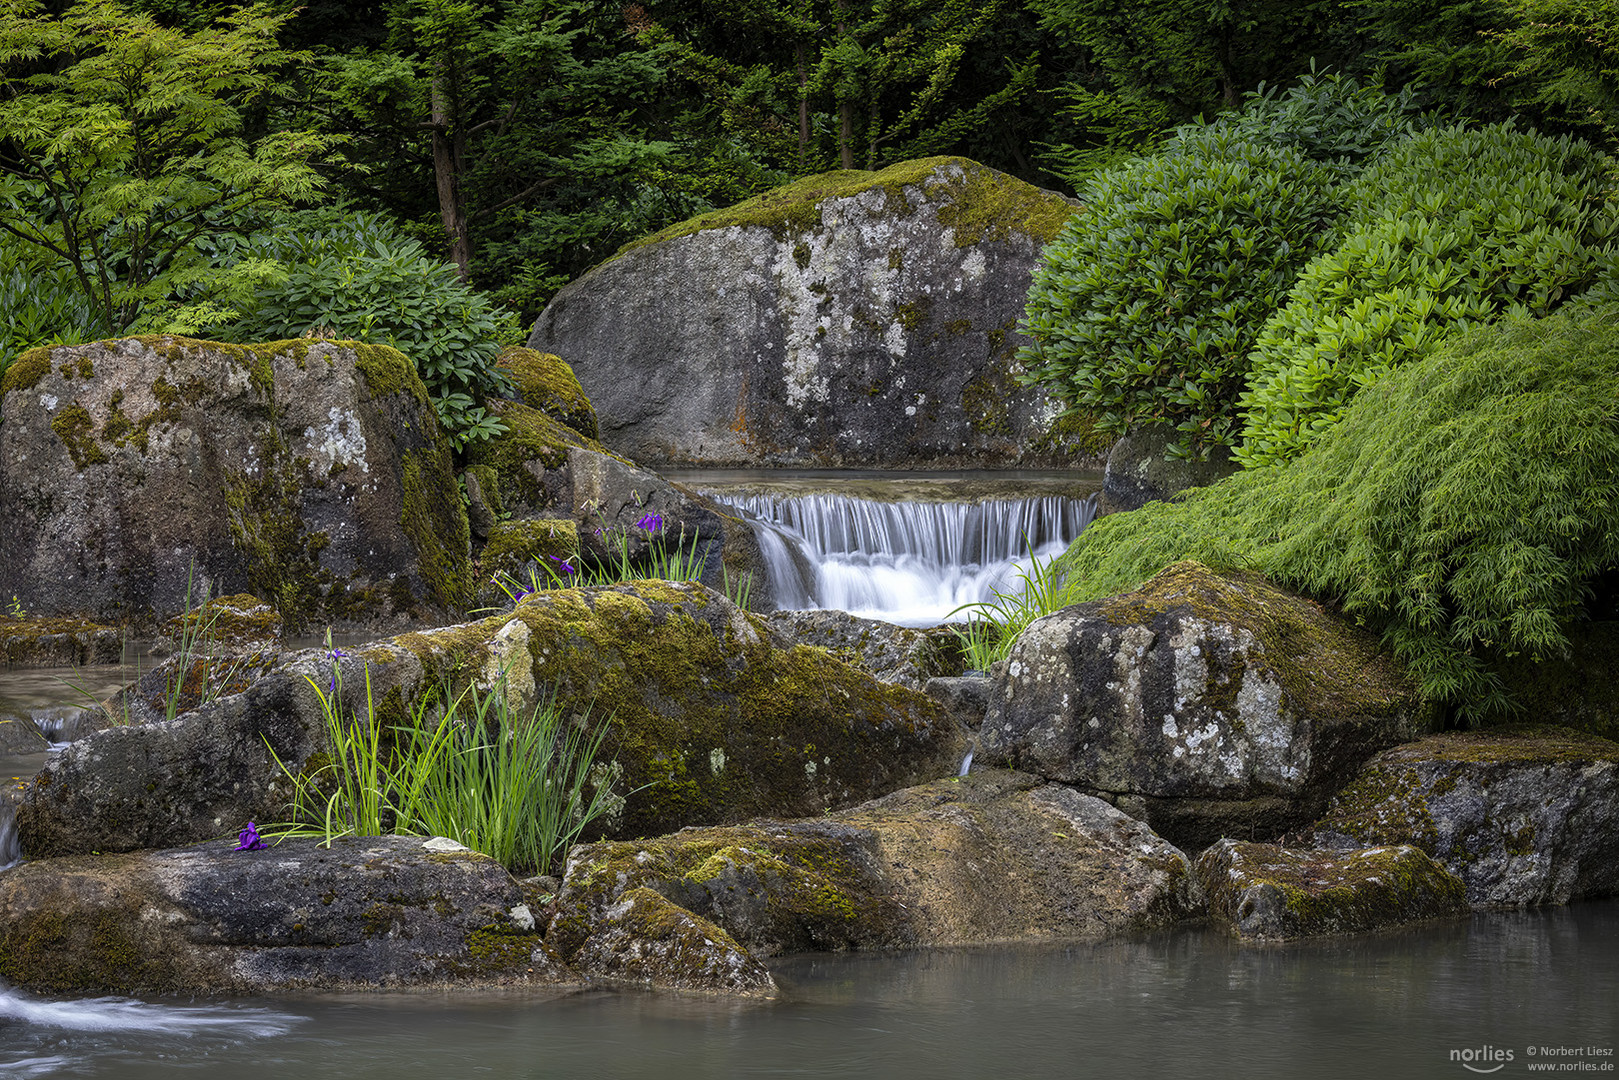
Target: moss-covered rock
{"x":547,"y":383}
{"x":861,"y":320}
{"x":712,"y":717}
{"x":139,"y":472}
{"x":1522,"y":816}
{"x":1206,"y":703}
{"x":645,"y":940}
{"x":993,"y":856}
{"x":363,"y":914}
{"x":1266,"y":891}
{"x":58,"y":642}
{"x":229,"y":624}
{"x":901,"y":654}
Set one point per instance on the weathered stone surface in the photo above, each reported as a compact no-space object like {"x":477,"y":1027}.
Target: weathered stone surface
{"x":58,"y":642}
{"x":1140,"y":471}
{"x":897,"y":654}
{"x":311,"y":473}
{"x":848,"y":320}
{"x":643,"y":938}
{"x":363,"y":914}
{"x":1206,"y":705}
{"x":1522,"y":817}
{"x":994,"y":856}
{"x":964,"y":697}
{"x":541,"y":483}
{"x":1266,"y":891}
{"x":159,"y":783}
{"x":230,"y":624}
{"x":712,"y":718}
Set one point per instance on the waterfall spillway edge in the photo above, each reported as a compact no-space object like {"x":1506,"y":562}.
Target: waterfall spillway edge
{"x":913,"y":563}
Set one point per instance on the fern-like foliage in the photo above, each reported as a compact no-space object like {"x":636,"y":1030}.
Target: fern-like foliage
{"x":1465,"y":505}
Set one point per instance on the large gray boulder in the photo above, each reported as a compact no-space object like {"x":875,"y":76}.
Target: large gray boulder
{"x":1529,"y":816}
{"x":993,"y":856}
{"x":362,"y":914}
{"x":852,"y":320}
{"x":138,"y":473}
{"x":1208,"y":705}
{"x":711,"y":718}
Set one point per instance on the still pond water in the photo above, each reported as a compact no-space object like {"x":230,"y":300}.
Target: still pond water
{"x":1185,"y":1004}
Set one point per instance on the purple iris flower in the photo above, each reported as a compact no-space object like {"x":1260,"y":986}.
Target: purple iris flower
{"x":567,"y":567}
{"x":334,"y":656}
{"x":650,"y":523}
{"x":249,"y":839}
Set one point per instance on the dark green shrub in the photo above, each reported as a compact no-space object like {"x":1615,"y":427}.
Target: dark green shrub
{"x":1144,"y":309}
{"x":1466,"y":505}
{"x":1450,"y":229}
{"x":357,"y":276}
{"x":42,"y":305}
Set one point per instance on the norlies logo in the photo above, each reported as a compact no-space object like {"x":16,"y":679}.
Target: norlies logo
{"x":1484,"y":1059}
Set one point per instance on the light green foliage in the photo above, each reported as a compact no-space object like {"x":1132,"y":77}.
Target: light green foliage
{"x":1451,"y":229}
{"x":124,"y":148}
{"x":354,"y":275}
{"x":1144,"y":309}
{"x":1467,"y":506}
{"x":513,"y":786}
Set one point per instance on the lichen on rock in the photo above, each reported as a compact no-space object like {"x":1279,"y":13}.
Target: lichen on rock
{"x":1205,"y":703}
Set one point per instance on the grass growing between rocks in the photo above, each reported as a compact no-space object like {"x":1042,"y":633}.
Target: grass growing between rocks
{"x":515,"y":786}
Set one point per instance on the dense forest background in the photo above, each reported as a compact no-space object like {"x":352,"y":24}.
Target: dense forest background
{"x":524,"y":141}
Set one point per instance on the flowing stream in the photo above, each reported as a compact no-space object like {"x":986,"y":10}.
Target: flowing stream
{"x":912,"y":549}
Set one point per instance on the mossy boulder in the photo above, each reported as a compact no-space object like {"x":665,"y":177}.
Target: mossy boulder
{"x":713,"y":718}
{"x":644,"y":939}
{"x":852,"y":319}
{"x":993,"y":856}
{"x":138,"y":472}
{"x":1525,"y":816}
{"x":1270,"y":892}
{"x":547,"y":383}
{"x":542,"y":472}
{"x":906,"y":655}
{"x":363,"y":914}
{"x":228,"y":624}
{"x":58,"y":642}
{"x":1208,"y":704}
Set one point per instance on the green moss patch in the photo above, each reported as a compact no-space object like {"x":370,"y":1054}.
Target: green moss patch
{"x":531,"y":436}
{"x":546,"y":383}
{"x":982,"y":204}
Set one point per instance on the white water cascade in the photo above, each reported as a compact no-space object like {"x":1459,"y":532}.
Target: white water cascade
{"x":912,"y":563}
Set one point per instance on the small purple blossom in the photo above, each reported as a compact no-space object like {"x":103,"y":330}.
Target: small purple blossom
{"x":650,"y":523}
{"x":334,"y":656}
{"x":249,"y":839}
{"x":567,"y":567}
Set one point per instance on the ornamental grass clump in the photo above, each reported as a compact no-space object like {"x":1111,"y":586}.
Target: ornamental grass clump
{"x":518,"y":786}
{"x":1466,"y":506}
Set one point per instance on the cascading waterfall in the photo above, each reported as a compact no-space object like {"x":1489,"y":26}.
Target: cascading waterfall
{"x":912,"y":563}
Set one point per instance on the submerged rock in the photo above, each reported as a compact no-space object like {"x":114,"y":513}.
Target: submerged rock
{"x":710,"y":718}
{"x":1529,"y":816}
{"x":363,"y":914}
{"x":994,"y":856}
{"x":1207,"y":705}
{"x":138,"y":473}
{"x":1266,"y":891}
{"x":861,"y":320}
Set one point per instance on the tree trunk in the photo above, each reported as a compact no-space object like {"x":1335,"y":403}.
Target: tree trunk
{"x":449,"y":155}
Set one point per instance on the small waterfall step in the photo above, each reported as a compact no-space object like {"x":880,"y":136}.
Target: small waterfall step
{"x":908,"y":562}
